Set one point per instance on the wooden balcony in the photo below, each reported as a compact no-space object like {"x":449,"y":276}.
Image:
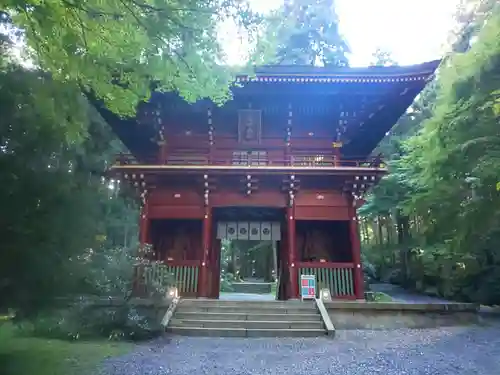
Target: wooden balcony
{"x":257,"y":161}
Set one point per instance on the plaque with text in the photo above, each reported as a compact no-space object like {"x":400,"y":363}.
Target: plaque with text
{"x":249,"y":125}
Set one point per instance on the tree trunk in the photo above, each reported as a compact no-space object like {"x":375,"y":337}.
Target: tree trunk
{"x":380,"y":232}
{"x":402,"y":223}
{"x":275,"y":259}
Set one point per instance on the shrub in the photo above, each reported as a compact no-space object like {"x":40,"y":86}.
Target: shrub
{"x":87,"y":320}
{"x":226,"y":282}
{"x":109,"y":275}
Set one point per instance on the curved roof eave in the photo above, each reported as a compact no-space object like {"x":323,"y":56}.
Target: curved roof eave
{"x":292,"y":71}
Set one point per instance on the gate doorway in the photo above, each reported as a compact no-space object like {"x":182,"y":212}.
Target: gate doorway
{"x":247,"y":250}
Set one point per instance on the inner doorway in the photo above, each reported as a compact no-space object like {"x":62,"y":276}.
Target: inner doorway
{"x":247,"y":252}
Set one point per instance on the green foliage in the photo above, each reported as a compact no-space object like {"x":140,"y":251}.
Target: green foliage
{"x":470,"y":17}
{"x":118,"y":47}
{"x":274,"y":288}
{"x":242,"y":258}
{"x":85,"y":321}
{"x":70,"y":231}
{"x":382,"y":57}
{"x":106,"y":273}
{"x":381,"y":297}
{"x":38,"y":189}
{"x":304,"y":33}
{"x":54,"y":149}
{"x":226,"y":281}
{"x":440,"y":193}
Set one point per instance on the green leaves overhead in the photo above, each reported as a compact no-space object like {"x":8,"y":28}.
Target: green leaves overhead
{"x":382,"y":57}
{"x":118,"y":47}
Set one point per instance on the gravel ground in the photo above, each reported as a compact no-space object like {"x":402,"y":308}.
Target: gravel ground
{"x":457,"y":351}
{"x":399,"y":294}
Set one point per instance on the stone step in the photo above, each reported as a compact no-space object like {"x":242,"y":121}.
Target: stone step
{"x":278,"y":305}
{"x":274,"y":303}
{"x":253,"y":288}
{"x":180,"y":314}
{"x":241,"y":332}
{"x":204,"y":317}
{"x":254,"y":310}
{"x":246,"y":324}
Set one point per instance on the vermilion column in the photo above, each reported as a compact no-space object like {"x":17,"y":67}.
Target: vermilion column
{"x":292,"y":252}
{"x":162,"y":152}
{"x":203,"y":289}
{"x":336,"y":155}
{"x":356,"y":252}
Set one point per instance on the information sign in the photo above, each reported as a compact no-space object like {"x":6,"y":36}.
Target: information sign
{"x":308,"y":286}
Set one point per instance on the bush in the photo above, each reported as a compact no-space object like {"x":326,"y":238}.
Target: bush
{"x":85,"y":320}
{"x":226,"y":282}
{"x":109,"y":273}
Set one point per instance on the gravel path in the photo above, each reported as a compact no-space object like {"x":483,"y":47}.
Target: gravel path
{"x":402,"y":295}
{"x":449,"y":351}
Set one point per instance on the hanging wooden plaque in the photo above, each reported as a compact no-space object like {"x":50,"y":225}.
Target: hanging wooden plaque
{"x":249,"y":125}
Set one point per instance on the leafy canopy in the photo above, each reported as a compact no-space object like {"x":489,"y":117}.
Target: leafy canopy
{"x":118,"y":47}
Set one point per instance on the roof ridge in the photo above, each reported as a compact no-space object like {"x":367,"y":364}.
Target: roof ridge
{"x":299,"y":73}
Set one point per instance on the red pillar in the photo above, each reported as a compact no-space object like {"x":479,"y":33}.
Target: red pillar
{"x":162,"y":152}
{"x":356,"y":252}
{"x":292,"y":253}
{"x":215,"y":269}
{"x":336,"y":157}
{"x":203,"y":282}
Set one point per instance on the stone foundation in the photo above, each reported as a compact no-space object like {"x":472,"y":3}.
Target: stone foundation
{"x":391,"y":315}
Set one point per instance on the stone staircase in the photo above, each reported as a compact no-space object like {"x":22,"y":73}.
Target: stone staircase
{"x":215,"y":318}
{"x":252,"y":288}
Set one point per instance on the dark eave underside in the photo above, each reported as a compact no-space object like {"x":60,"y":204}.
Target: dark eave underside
{"x":394,"y":87}
{"x":136,"y":138}
{"x":366,"y":137}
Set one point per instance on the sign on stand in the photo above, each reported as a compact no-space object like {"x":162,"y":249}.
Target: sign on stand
{"x":307,"y":287}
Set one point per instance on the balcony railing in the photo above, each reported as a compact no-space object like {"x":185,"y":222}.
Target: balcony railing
{"x":312,"y":160}
{"x":336,"y":277}
{"x":181,"y":274}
